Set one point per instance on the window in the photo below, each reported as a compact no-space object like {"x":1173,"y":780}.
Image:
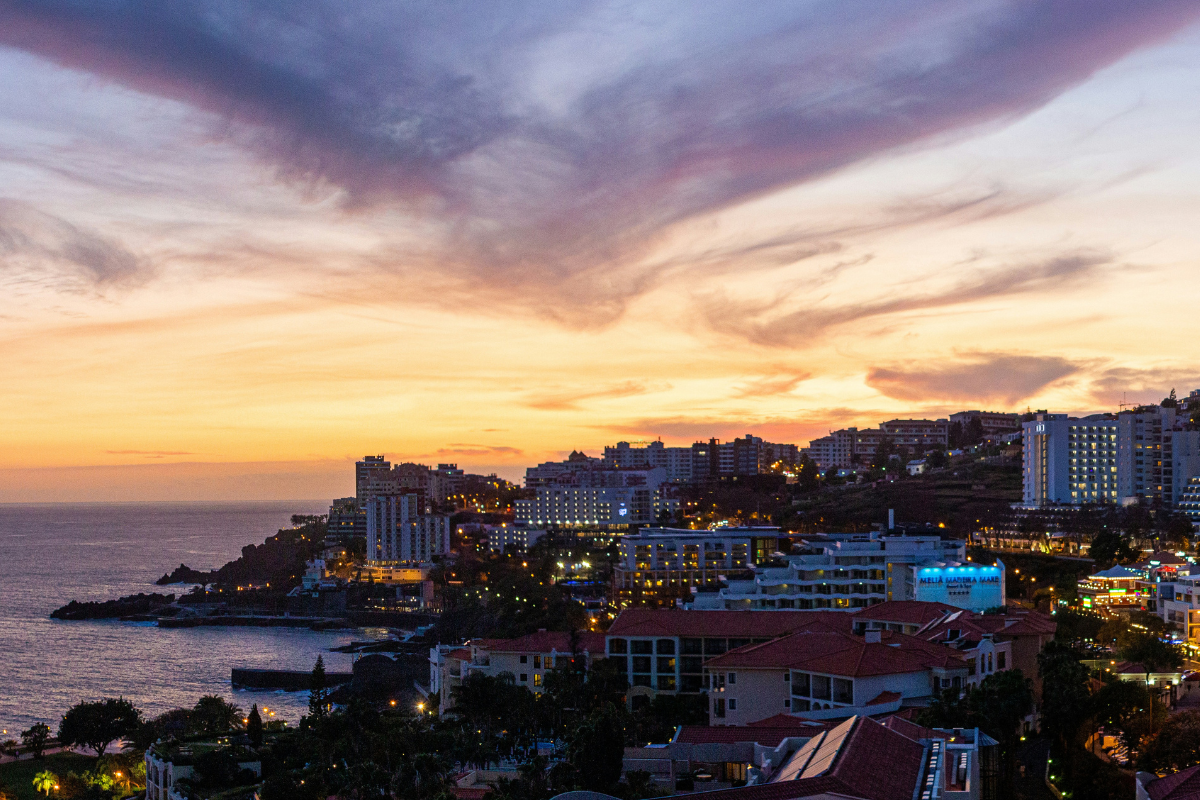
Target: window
{"x":641,"y":663}
{"x":1000,"y":659}
{"x":822,"y":688}
{"x":732,"y":704}
{"x":843,"y":691}
{"x":800,"y":704}
{"x":691,"y":664}
{"x":641,"y":647}
{"x":537,"y":679}
{"x":692,"y":647}
{"x":719,"y":707}
{"x":524,"y":659}
{"x":666,"y":664}
{"x":666,"y":647}
{"x":714,"y":647}
{"x":787,"y":676}
{"x":800,"y":685}
{"x":537,"y":662}
{"x":732,"y":678}
{"x":666,"y":683}
{"x":524,"y":678}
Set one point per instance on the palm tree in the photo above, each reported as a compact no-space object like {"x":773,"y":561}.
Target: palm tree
{"x":44,"y":781}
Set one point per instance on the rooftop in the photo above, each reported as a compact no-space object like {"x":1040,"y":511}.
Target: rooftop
{"x":1183,"y":785}
{"x":842,"y":654}
{"x":733,"y":624}
{"x":545,"y":642}
{"x":913,"y":612}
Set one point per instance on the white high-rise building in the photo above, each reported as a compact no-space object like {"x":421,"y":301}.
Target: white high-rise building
{"x":397,"y":533}
{"x":1070,"y":461}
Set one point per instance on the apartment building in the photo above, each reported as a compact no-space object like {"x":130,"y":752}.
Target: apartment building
{"x":663,"y":651}
{"x":656,"y":566}
{"x":856,"y":759}
{"x":528,"y":659}
{"x":599,"y":497}
{"x":853,"y":571}
{"x":399,"y":531}
{"x":993,"y":423}
{"x":1068,"y":461}
{"x":826,"y":675}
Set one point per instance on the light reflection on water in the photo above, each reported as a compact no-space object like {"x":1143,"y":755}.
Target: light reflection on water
{"x":50,"y":554}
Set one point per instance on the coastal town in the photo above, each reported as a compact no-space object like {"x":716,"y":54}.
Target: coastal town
{"x":1008,"y":605}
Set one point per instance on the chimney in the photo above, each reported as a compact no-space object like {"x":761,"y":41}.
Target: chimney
{"x":891,"y":519}
{"x":873,"y":637}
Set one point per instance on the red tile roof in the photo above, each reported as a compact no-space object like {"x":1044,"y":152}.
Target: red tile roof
{"x":545,"y":642}
{"x":909,"y":612}
{"x":841,"y":654}
{"x":1183,"y":785}
{"x":873,"y":763}
{"x":884,"y":697}
{"x":733,"y":624}
{"x":765,"y":736}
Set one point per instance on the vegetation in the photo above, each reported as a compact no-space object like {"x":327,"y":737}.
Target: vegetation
{"x":279,"y":561}
{"x":36,"y":738}
{"x":99,"y":724}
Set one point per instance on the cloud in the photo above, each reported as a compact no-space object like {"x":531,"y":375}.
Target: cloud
{"x":800,"y":428}
{"x":775,"y":322}
{"x":569,"y":400}
{"x":981,"y":377}
{"x":150,"y":453}
{"x":36,"y":247}
{"x":769,"y":385}
{"x":461,"y":449}
{"x":1113,"y":386}
{"x":550,"y":143}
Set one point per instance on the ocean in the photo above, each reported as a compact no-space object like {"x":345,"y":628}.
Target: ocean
{"x":53,"y":553}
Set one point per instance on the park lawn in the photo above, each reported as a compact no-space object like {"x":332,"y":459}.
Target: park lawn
{"x":17,"y":776}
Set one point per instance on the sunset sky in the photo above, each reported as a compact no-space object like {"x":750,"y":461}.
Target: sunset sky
{"x":244,"y":243}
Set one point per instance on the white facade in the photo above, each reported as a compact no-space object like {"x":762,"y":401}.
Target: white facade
{"x":675,"y":461}
{"x":976,"y":587}
{"x":847,"y":573}
{"x":601,"y":497}
{"x":398,"y":534}
{"x":502,"y":538}
{"x":1070,"y":461}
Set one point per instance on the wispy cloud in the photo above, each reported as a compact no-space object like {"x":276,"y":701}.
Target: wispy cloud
{"x":980,"y":377}
{"x":461,"y":449}
{"x":570,"y":399}
{"x":777,"y":322}
{"x":549,"y":143}
{"x":40,"y":248}
{"x":150,"y":453}
{"x":770,"y":385}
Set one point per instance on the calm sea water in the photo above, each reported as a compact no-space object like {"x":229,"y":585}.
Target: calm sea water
{"x":50,"y":554}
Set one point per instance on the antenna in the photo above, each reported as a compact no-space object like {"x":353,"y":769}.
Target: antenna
{"x":1124,"y":405}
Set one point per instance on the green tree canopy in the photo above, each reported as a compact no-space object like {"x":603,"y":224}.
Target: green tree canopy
{"x":1176,"y":746}
{"x":254,"y":726}
{"x":1066,"y":693}
{"x":213,"y":716}
{"x":597,"y":748}
{"x":99,"y":724}
{"x":35,"y":738}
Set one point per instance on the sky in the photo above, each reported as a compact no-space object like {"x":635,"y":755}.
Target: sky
{"x":243,"y":244}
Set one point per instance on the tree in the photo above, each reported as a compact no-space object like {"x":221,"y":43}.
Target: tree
{"x":99,"y":724}
{"x":1126,"y":706}
{"x":45,"y":781}
{"x":213,"y":716}
{"x":254,"y":726}
{"x":1109,"y":547}
{"x":999,"y":705}
{"x":318,"y":695}
{"x":1176,"y":746}
{"x":597,"y":748}
{"x":35,"y":739}
{"x":1065,"y":691}
{"x":1153,"y":654}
